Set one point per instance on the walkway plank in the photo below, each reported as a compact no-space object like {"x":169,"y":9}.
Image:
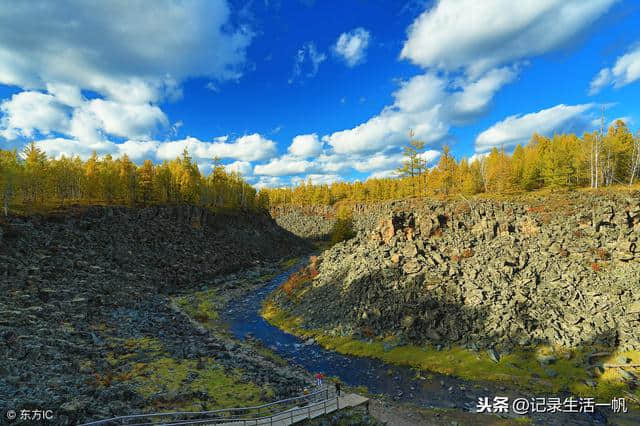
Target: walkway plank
{"x":298,"y":414}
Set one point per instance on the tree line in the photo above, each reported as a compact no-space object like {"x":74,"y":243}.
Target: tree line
{"x":30,"y":180}
{"x":563,"y":161}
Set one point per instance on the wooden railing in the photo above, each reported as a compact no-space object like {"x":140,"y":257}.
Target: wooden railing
{"x":321,"y":400}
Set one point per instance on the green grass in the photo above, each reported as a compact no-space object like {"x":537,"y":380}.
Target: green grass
{"x":202,"y":306}
{"x":289,"y":263}
{"x":519,"y":368}
{"x":179,"y":384}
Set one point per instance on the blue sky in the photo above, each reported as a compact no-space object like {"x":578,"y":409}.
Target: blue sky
{"x":285,"y":91}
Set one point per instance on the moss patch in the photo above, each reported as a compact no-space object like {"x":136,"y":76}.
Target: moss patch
{"x":520,"y":368}
{"x":206,"y":385}
{"x":290,"y":263}
{"x":179,"y":384}
{"x":202,"y":306}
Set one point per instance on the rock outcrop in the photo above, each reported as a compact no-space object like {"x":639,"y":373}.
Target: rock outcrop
{"x":75,"y":286}
{"x":484,"y":274}
{"x":312,"y":222}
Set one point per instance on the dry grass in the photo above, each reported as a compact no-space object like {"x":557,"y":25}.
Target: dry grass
{"x":603,"y":254}
{"x":466,"y":254}
{"x":529,"y":227}
{"x":299,"y":279}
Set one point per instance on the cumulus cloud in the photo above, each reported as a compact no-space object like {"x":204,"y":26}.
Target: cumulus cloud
{"x":243,"y":149}
{"x":476,"y":95}
{"x":316,"y":179}
{"x":113,"y":49}
{"x":307,"y":53}
{"x":242,"y":167}
{"x":57,"y":147}
{"x":378,"y":162}
{"x":383,"y":174}
{"x":269,"y":182}
{"x":138,"y":150}
{"x":27,"y":113}
{"x":417,"y":106}
{"x":625,"y":71}
{"x":478,"y":47}
{"x":283,"y":166}
{"x":429,"y":156}
{"x":252,"y":147}
{"x":478,"y":36}
{"x":136,"y":121}
{"x":59,"y":53}
{"x":518,"y":129}
{"x":352,"y":46}
{"x":305,"y":146}
{"x":65,"y":112}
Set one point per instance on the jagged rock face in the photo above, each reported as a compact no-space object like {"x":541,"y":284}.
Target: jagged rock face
{"x":72,"y":282}
{"x":313,"y":222}
{"x":486,"y":274}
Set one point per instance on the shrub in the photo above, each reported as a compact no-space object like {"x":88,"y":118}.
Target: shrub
{"x":343,"y":228}
{"x":603,"y":254}
{"x":300,"y":278}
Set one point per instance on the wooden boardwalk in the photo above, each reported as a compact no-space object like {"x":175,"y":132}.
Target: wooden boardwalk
{"x":279,"y":413}
{"x":298,"y":414}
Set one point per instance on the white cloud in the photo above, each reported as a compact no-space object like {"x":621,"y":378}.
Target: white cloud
{"x":417,"y":106}
{"x":211,"y":86}
{"x":57,"y":147}
{"x":136,"y":121}
{"x":429,"y":156}
{"x":64,"y":111}
{"x":518,"y":129}
{"x":242,"y":167}
{"x":316,"y":179}
{"x":283,"y":166}
{"x":476,"y":95}
{"x":383,"y":174}
{"x":66,"y":94}
{"x":378,"y":161}
{"x":244,"y":149}
{"x":305,"y":146}
{"x":114,"y":49}
{"x":479,"y":35}
{"x":478,"y":156}
{"x":58,"y":52}
{"x":476,"y":38}
{"x":138,"y":150}
{"x":352,"y":46}
{"x":628,"y":121}
{"x":307,"y":53}
{"x":29,"y":112}
{"x":252,"y":147}
{"x":269,"y":182}
{"x":625,"y":71}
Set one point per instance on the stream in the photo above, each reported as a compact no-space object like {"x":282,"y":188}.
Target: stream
{"x":398,"y":382}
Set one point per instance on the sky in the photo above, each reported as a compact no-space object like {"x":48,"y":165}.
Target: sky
{"x":284,"y":91}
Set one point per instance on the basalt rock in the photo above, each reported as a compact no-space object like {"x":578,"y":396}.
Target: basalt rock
{"x":74,"y":285}
{"x":562,"y":270}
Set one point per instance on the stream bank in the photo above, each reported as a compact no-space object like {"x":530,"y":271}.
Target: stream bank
{"x":396,"y":383}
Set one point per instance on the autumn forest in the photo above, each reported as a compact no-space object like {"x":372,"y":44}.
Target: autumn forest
{"x":31,"y":180}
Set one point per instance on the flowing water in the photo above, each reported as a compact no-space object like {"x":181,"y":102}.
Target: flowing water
{"x":401,"y":383}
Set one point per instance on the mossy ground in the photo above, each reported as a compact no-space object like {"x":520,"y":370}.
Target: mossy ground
{"x":290,"y":263}
{"x":179,"y":384}
{"x":202,"y":306}
{"x":519,"y":368}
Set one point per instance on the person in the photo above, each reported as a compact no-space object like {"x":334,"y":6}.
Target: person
{"x":338,"y":387}
{"x":319,"y":377}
